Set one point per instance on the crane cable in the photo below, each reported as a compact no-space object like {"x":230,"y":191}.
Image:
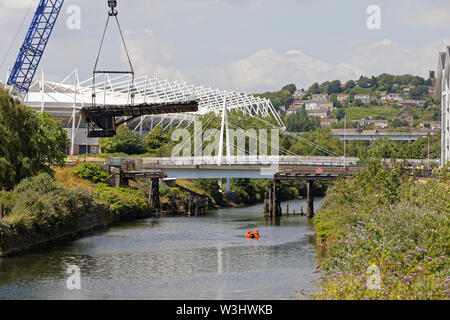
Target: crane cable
{"x":131,"y":85}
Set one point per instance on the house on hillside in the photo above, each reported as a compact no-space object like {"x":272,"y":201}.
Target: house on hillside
{"x":411,"y":103}
{"x":322,"y":113}
{"x":328,"y":122}
{"x":395,"y":96}
{"x":433,"y":125}
{"x":343,"y":97}
{"x":368,"y":122}
{"x":299,"y":94}
{"x":328,"y":105}
{"x":294,"y":109}
{"x":320,"y":97}
{"x":365,"y":98}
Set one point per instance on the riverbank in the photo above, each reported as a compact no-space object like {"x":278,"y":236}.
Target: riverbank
{"x":42,"y":209}
{"x":383,"y":223}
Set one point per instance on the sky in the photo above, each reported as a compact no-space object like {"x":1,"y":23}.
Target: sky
{"x":247,"y":46}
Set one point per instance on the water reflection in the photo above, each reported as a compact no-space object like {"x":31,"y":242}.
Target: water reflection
{"x":173,"y":258}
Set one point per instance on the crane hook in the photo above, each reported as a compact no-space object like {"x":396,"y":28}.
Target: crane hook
{"x":112,"y":4}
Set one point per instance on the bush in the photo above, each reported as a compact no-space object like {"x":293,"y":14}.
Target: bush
{"x":42,"y":183}
{"x":403,"y":228}
{"x":8,"y":200}
{"x":91,"y":172}
{"x":40,"y":202}
{"x":123,"y":202}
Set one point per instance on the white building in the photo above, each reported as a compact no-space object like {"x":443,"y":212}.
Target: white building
{"x":443,"y":93}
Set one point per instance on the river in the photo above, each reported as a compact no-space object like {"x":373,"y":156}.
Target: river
{"x":174,"y":258}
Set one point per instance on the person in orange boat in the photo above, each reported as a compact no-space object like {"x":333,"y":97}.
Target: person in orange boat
{"x":253,"y":235}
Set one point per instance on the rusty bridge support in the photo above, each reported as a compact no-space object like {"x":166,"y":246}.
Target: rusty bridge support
{"x":154,"y":197}
{"x":310,"y":199}
{"x":272,"y":202}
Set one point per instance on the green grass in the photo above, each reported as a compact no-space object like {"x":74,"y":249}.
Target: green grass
{"x":376,"y":112}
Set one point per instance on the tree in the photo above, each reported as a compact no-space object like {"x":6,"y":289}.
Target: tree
{"x":349,"y":84}
{"x":286,"y":98}
{"x":314,"y":89}
{"x":323,"y":88}
{"x":335,"y":87}
{"x":244,"y":189}
{"x":321,"y":137}
{"x":51,"y":142}
{"x":156,"y":139}
{"x":30,"y":144}
{"x":340,"y":114}
{"x":125,"y":141}
{"x":385,"y":82}
{"x":419,"y":92}
{"x":359,"y":103}
{"x":290,"y":87}
{"x":364,"y":82}
{"x":301,"y":122}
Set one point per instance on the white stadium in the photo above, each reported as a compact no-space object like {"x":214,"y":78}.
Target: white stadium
{"x":64,"y":100}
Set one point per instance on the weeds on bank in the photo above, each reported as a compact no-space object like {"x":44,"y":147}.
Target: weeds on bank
{"x":387,"y":220}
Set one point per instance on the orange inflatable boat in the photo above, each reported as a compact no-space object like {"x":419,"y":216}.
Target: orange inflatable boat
{"x":253,"y":235}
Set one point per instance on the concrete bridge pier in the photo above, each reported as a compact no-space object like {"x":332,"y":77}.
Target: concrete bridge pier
{"x":309,"y":199}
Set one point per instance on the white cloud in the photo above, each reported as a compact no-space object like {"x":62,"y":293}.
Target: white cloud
{"x":17,"y":4}
{"x":268,"y":69}
{"x":151,"y":55}
{"x":387,"y":56}
{"x":428,"y":14}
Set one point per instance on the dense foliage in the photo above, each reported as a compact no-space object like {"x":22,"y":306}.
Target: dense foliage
{"x":301,"y":122}
{"x":211,"y":188}
{"x":125,"y":141}
{"x":384,"y":219}
{"x":384,"y":82}
{"x":30,"y":143}
{"x":91,"y":172}
{"x":124,"y":202}
{"x":283,"y":97}
{"x":40,"y":203}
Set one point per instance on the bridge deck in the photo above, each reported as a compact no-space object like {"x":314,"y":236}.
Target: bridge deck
{"x":308,"y":173}
{"x":104,"y":117}
{"x":141,"y":109}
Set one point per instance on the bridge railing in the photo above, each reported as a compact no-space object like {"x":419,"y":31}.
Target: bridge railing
{"x":252,"y":161}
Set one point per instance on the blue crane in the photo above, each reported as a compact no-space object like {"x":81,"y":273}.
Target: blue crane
{"x":33,"y":47}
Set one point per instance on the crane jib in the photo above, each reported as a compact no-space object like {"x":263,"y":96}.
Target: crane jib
{"x":34,"y":45}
